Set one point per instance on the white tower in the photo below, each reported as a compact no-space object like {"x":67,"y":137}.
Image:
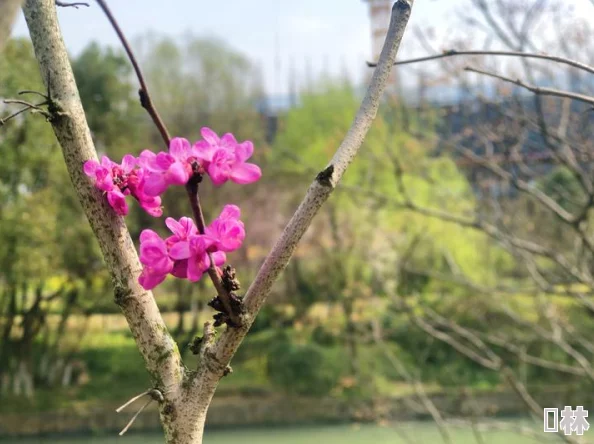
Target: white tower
{"x":379,"y":15}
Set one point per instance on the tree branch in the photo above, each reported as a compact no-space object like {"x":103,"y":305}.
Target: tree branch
{"x":528,"y":55}
{"x":143,"y":92}
{"x":190,"y":410}
{"x":71,"y":4}
{"x":322,"y":186}
{"x":68,"y":121}
{"x":224,"y":295}
{"x":541,"y":90}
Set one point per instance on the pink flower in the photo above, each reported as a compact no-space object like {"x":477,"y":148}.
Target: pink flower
{"x":225,"y":159}
{"x":190,"y":250}
{"x":196,"y":253}
{"x":113,"y":179}
{"x":182,"y":231}
{"x":173,"y":168}
{"x":155,"y":258}
{"x":227,"y":230}
{"x":150,"y":204}
{"x":119,"y":181}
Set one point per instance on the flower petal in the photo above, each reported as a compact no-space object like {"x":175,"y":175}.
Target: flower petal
{"x":148,"y":235}
{"x":219,"y":258}
{"x":175,"y":227}
{"x":244,"y":173}
{"x":244,"y":150}
{"x":118,"y":202}
{"x":128,"y":163}
{"x":210,"y":136}
{"x":180,"y":269}
{"x":180,"y":250}
{"x":90,"y":167}
{"x":230,"y":211}
{"x":179,"y":148}
{"x":149,"y":279}
{"x":177,"y":174}
{"x":155,"y":184}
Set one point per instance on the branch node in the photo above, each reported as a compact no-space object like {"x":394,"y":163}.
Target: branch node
{"x":324,"y":177}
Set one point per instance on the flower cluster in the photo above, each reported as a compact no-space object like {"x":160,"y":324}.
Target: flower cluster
{"x":187,"y":253}
{"x":222,"y":159}
{"x":119,"y":181}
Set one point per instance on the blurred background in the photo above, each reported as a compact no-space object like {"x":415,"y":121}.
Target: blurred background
{"x":444,"y":294}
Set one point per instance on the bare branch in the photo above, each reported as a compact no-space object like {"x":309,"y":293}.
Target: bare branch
{"x":541,"y":90}
{"x":322,"y":186}
{"x":68,"y":121}
{"x":453,"y":53}
{"x":27,"y":107}
{"x":143,"y":92}
{"x":71,"y":4}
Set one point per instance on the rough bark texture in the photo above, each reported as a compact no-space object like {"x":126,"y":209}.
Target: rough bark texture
{"x":69,"y":123}
{"x":186,"y":394}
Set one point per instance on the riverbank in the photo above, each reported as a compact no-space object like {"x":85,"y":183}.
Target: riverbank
{"x":274,"y":410}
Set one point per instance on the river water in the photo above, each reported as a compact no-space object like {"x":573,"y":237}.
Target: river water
{"x":408,"y":433}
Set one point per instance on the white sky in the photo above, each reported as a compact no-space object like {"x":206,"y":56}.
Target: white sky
{"x":305,"y":36}
{"x":316,"y":35}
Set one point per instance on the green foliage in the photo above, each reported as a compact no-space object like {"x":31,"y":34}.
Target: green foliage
{"x":367,"y":229}
{"x":305,"y":369}
{"x":111,"y":104}
{"x":564,"y":188}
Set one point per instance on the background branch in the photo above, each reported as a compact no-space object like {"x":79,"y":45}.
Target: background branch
{"x":143,"y":92}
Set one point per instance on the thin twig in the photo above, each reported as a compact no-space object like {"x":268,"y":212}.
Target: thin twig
{"x":122,"y":407}
{"x":27,"y":106}
{"x":125,"y":429}
{"x":143,"y":92}
{"x":453,"y":52}
{"x":541,"y":90}
{"x":192,"y":189}
{"x":73,"y":4}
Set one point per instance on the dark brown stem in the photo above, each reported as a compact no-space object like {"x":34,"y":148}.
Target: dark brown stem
{"x":543,"y":91}
{"x":194,"y":197}
{"x":69,"y":4}
{"x":453,"y":52}
{"x":143,"y":92}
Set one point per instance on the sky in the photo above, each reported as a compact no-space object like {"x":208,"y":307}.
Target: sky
{"x":315,"y":36}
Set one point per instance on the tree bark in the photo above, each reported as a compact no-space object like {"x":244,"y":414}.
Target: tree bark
{"x":186,"y":394}
{"x":69,"y":124}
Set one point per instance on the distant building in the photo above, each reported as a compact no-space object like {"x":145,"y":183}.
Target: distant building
{"x":379,"y":17}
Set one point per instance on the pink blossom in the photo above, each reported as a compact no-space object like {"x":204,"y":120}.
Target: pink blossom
{"x":182,"y":231}
{"x":119,"y":181}
{"x":150,"y":204}
{"x":172,"y":168}
{"x":227,"y":230}
{"x":225,"y":159}
{"x":196,"y":253}
{"x":225,"y":234}
{"x":155,"y":258}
